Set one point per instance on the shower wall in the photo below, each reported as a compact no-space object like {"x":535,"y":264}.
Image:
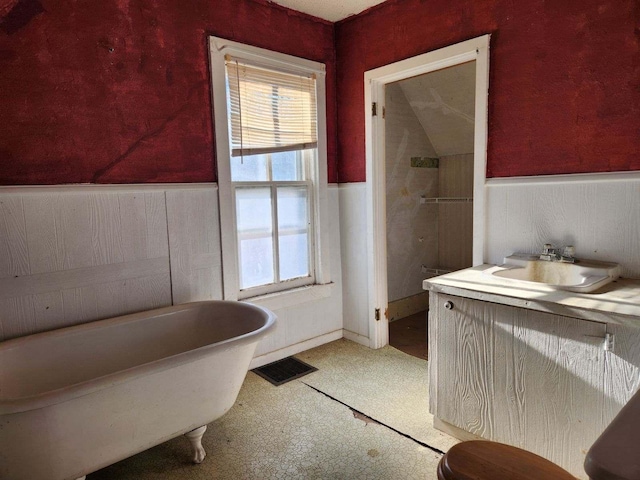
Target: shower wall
{"x":412,"y":227}
{"x":444,"y":103}
{"x":455,"y":211}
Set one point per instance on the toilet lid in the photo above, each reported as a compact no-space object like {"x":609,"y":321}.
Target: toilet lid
{"x":482,"y":460}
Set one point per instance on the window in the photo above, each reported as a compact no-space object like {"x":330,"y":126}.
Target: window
{"x":273,"y":224}
{"x":271,"y":156}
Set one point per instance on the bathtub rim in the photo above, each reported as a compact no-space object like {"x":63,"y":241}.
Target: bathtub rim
{"x":10,"y":406}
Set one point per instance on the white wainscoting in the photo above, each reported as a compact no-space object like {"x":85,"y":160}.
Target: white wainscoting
{"x":74,"y":254}
{"x":597,"y":213}
{"x":194,"y":243}
{"x":72,"y":257}
{"x":353,"y":241}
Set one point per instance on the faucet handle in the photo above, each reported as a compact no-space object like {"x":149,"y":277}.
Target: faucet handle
{"x":547,"y":248}
{"x":569,"y":251}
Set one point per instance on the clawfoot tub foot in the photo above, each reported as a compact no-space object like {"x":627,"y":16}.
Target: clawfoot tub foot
{"x":195,"y":437}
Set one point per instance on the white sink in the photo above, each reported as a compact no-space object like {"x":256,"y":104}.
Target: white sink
{"x":583,"y":276}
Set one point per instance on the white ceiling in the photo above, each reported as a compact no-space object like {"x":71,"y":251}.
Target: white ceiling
{"x":332,"y":10}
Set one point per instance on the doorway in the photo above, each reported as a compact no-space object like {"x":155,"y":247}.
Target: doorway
{"x":419,"y":168}
{"x":429,"y":140}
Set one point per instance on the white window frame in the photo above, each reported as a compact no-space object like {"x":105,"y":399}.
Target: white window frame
{"x":317,"y":173}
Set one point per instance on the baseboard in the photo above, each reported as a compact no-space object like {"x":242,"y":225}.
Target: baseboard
{"x":407,"y":306}
{"x":356,"y":337}
{"x":293,"y":349}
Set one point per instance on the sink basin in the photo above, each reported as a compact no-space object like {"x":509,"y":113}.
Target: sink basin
{"x":583,"y":276}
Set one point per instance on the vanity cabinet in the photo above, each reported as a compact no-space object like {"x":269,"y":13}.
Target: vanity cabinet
{"x":535,"y":380}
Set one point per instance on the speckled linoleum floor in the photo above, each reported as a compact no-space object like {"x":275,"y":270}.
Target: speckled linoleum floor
{"x":362,"y":415}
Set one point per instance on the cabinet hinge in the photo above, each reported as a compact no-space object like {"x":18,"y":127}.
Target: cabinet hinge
{"x":377,"y":314}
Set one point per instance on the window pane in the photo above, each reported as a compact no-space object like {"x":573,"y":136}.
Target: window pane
{"x":256,"y":262}
{"x":294,"y":256}
{"x":255,"y":236}
{"x":293,"y":232}
{"x":252,"y":168}
{"x":292,"y":208}
{"x":287,"y":166}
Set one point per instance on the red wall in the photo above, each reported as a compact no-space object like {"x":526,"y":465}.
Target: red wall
{"x":564,"y":93}
{"x":118,"y":91}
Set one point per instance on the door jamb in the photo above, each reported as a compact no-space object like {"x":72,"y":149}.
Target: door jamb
{"x":374,"y":83}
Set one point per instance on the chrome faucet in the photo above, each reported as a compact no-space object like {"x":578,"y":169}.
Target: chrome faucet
{"x":561,"y":254}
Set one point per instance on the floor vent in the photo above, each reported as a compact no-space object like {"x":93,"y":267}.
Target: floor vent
{"x":284,"y":370}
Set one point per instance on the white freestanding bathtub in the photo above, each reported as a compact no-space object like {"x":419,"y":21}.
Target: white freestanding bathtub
{"x":80,"y":398}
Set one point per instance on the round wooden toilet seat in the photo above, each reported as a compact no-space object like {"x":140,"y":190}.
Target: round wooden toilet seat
{"x":483,"y":460}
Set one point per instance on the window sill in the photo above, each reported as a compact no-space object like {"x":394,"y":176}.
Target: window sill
{"x":293,"y":297}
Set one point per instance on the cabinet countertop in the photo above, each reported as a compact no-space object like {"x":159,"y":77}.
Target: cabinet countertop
{"x":617,"y":302}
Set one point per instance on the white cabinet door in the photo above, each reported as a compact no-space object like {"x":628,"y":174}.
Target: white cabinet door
{"x":522,"y":377}
{"x":461,"y":354}
{"x":555,"y":367}
{"x":622,"y":369}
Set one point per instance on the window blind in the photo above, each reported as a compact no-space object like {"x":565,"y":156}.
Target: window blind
{"x":270,"y":111}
